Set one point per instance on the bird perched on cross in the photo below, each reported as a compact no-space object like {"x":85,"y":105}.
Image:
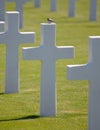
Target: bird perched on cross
{"x":50,"y":20}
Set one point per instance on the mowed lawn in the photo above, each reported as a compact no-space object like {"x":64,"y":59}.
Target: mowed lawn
{"x":21,"y":111}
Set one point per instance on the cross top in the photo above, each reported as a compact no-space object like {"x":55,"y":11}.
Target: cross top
{"x":87,"y":71}
{"x":48,"y":46}
{"x":94,"y":50}
{"x":11,"y":25}
{"x":50,"y":39}
{"x":12,"y":30}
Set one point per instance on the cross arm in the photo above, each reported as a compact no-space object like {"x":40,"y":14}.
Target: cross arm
{"x":31,"y":53}
{"x":3,"y":37}
{"x":78,"y":72}
{"x":27,"y":37}
{"x":65,"y":52}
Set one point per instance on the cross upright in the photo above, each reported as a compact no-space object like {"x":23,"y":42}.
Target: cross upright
{"x":90,"y":72}
{"x":48,"y":53}
{"x":37,"y":3}
{"x":71,"y":8}
{"x":12,"y":38}
{"x":2,"y":10}
{"x":53,"y":5}
{"x":93,"y":10}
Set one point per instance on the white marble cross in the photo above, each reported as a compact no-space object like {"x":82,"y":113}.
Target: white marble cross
{"x":37,"y":3}
{"x":48,"y":53}
{"x":71,"y":8}
{"x":91,"y":72}
{"x":12,"y":38}
{"x":93,"y":10}
{"x":53,"y":5}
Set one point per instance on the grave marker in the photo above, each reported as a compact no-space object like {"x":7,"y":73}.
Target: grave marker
{"x":91,"y":72}
{"x":48,"y":53}
{"x":93,"y":10}
{"x":71,"y":8}
{"x":12,"y":38}
{"x":37,"y":3}
{"x":53,"y":5}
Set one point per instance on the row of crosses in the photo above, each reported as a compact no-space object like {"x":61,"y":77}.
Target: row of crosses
{"x":93,"y":9}
{"x":19,"y":7}
{"x":48,"y":53}
{"x":71,"y":8}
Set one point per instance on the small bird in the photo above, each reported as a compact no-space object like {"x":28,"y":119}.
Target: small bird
{"x":50,"y":20}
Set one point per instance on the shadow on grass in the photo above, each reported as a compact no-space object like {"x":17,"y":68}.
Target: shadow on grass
{"x":1,"y":93}
{"x":32,"y":117}
{"x":21,"y":118}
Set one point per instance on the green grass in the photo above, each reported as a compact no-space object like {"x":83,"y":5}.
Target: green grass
{"x":21,"y":111}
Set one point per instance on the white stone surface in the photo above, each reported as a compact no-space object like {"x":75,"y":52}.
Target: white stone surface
{"x":93,"y":10}
{"x":71,"y":8}
{"x":37,"y":3}
{"x":2,"y":26}
{"x":12,"y":38}
{"x":53,"y":6}
{"x":48,"y":53}
{"x":90,"y":72}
